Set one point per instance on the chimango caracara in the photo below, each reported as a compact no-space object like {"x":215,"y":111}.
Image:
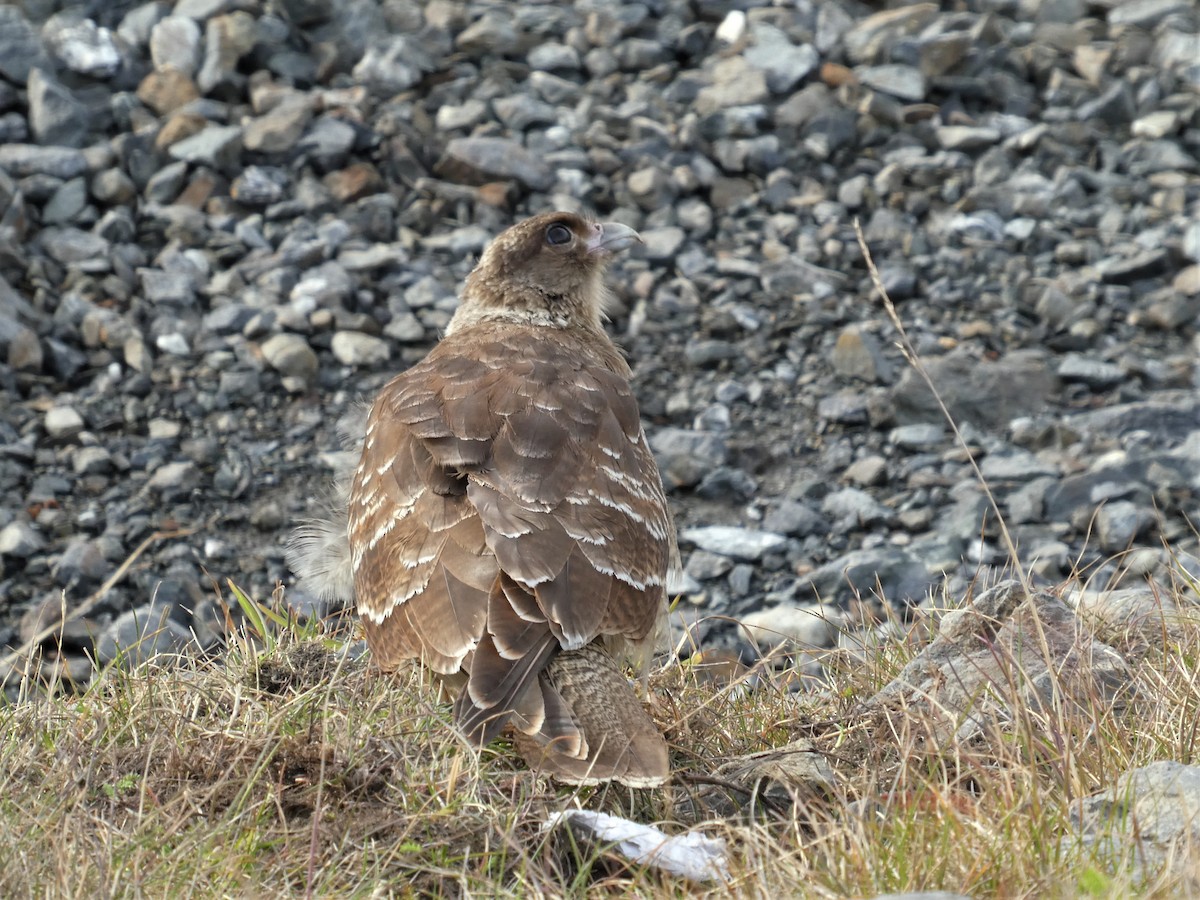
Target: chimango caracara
{"x":507,"y":520}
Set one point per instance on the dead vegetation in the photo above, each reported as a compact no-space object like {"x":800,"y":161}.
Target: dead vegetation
{"x":301,"y":770}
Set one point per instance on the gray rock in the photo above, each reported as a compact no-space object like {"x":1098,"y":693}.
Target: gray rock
{"x":739,"y":543}
{"x":328,"y":140}
{"x":227,"y":39}
{"x":868,"y":471}
{"x":20,"y":540}
{"x":23,"y":160}
{"x":705,"y":566}
{"x":919,"y":437}
{"x":1115,"y":106}
{"x":848,"y":407}
{"x":852,"y":508}
{"x":890,"y":573}
{"x":112,"y":187}
{"x":1126,"y":270}
{"x":649,"y":187}
{"x":81,"y":45}
{"x":1167,"y":420}
{"x":905,"y":82}
{"x":218,"y":146}
{"x":175,"y":42}
{"x":466,"y":115}
{"x":175,"y":479}
{"x":686,"y":456}
{"x":47,"y":612}
{"x":983,"y":392}
{"x":869,"y":38}
{"x":55,"y":116}
{"x":70,"y":245}
{"x":201,"y":10}
{"x":353,"y":348}
{"x":1145,"y":820}
{"x":174,"y":288}
{"x":662,"y":244}
{"x":92,"y":461}
{"x":405,"y":328}
{"x":1094,"y":373}
{"x":493,"y":32}
{"x":858,"y":355}
{"x":173,"y":343}
{"x":735,"y":82}
{"x":21,"y":49}
{"x":259,"y":186}
{"x":796,"y":519}
{"x":966,"y":137}
{"x":328,"y":285}
{"x":280,"y":129}
{"x":783,"y":63}
{"x":811,"y":627}
{"x":68,"y":202}
{"x":290,"y":355}
{"x":1028,"y":503}
{"x":466,"y":241}
{"x":551,"y":56}
{"x":1145,"y":13}
{"x":62,"y":423}
{"x":392,"y":65}
{"x":704,"y":353}
{"x":1004,"y":653}
{"x":141,"y":634}
{"x":165,"y":185}
{"x":478,"y":159}
{"x":1119,"y":524}
{"x":1145,"y":611}
{"x":137,"y":26}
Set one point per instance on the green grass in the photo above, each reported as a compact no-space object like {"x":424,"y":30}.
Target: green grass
{"x":291,"y":769}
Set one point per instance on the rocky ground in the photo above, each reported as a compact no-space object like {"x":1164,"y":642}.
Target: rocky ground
{"x":224,"y":223}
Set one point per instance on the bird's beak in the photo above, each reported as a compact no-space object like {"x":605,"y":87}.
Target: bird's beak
{"x":610,"y":237}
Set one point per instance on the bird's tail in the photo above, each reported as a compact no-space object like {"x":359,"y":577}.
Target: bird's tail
{"x":595,"y":728}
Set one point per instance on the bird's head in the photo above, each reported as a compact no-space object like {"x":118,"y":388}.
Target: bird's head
{"x":547,"y":270}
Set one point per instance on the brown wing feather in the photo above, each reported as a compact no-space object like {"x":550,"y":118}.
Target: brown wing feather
{"x":508,"y":452}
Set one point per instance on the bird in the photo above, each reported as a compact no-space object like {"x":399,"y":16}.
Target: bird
{"x":507,"y":525}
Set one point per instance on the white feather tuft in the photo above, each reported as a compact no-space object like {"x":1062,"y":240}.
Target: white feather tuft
{"x":318,"y":551}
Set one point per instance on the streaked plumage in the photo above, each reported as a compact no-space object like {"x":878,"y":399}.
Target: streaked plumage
{"x":507,"y":519}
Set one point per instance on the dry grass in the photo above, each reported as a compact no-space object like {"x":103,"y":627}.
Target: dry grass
{"x":297,"y":771}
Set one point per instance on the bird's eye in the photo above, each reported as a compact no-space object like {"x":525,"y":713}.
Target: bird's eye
{"x":558,"y":234}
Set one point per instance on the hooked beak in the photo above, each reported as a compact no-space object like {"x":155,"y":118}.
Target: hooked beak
{"x":611,"y":237}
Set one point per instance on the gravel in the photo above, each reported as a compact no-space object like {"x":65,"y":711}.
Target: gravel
{"x":225,"y":225}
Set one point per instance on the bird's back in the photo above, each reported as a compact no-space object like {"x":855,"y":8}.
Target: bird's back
{"x":507,"y":520}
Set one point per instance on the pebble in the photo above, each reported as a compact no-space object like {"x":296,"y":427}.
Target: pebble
{"x":486,"y":158}
{"x":55,"y":116}
{"x":141,"y":634}
{"x":904,"y":82}
{"x":1094,"y":373}
{"x":81,"y":45}
{"x":62,"y":423}
{"x":19,"y":540}
{"x":290,"y":355}
{"x":353,"y":348}
{"x":739,"y":543}
{"x":812,"y":627}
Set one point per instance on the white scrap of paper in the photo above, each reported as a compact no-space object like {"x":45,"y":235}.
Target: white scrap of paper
{"x":692,"y":855}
